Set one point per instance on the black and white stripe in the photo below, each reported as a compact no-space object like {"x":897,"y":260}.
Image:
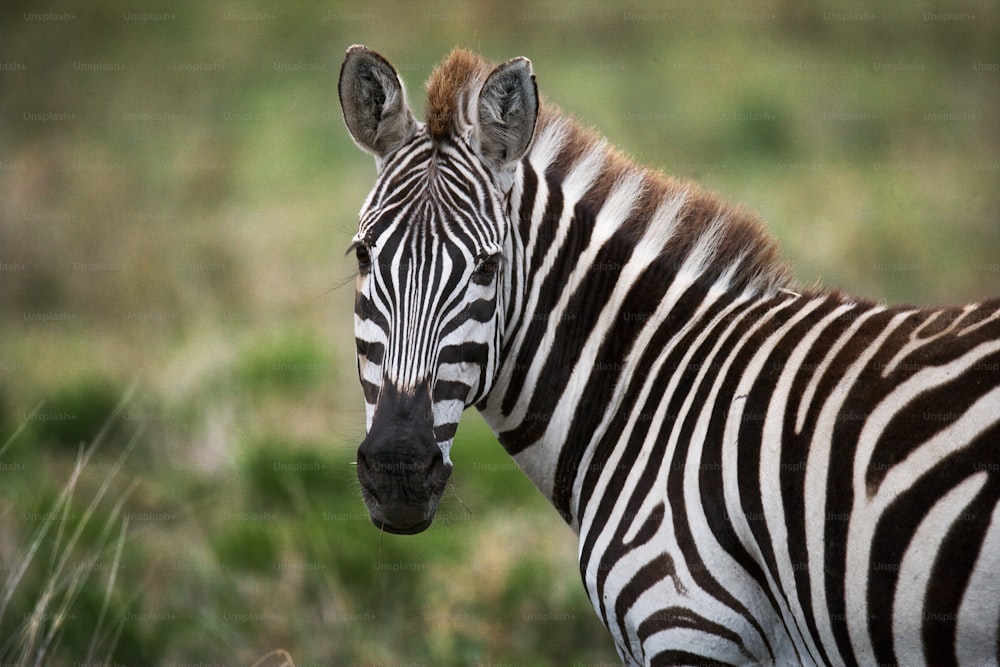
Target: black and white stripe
{"x":757,"y":474}
{"x":418,"y":315}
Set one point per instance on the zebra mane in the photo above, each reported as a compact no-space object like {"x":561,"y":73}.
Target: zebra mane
{"x":732,"y":244}
{"x":450,"y":90}
{"x":725,"y":242}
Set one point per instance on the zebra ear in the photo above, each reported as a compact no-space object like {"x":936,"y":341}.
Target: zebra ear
{"x":374,"y":102}
{"x":508,"y":109}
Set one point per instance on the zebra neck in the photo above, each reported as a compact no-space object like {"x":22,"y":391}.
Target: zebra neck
{"x":607,"y":256}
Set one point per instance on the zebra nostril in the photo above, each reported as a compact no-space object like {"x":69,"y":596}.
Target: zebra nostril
{"x":430,"y":465}
{"x":364,"y":470}
{"x":437,"y":472}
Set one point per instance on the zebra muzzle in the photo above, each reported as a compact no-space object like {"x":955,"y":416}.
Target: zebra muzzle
{"x":401,"y":468}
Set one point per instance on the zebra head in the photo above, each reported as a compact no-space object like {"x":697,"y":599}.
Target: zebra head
{"x":434,"y":248}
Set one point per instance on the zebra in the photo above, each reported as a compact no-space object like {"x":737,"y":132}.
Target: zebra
{"x":758,"y":473}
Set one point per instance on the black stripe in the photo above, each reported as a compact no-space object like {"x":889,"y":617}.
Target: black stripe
{"x":679,"y":617}
{"x":838,"y":488}
{"x":449,"y":390}
{"x":616,"y":434}
{"x":581,"y":312}
{"x":955,"y":557}
{"x":370,"y":390}
{"x":791,"y":471}
{"x":365,"y":309}
{"x":674,"y":658}
{"x":635,"y":440}
{"x":548,"y":295}
{"x":464,"y":352}
{"x":955,"y":563}
{"x":710,"y":357}
{"x":480,"y":310}
{"x":653,"y":572}
{"x":529,"y":191}
{"x":373,"y":351}
{"x":445,"y":432}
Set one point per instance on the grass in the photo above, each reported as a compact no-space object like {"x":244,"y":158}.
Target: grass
{"x":63,"y":552}
{"x":183,"y":234}
{"x":274,"y":551}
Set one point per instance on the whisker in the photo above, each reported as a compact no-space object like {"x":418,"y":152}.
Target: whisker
{"x":346,"y":280}
{"x":451,"y":485}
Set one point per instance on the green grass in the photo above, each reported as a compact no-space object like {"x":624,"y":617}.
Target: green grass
{"x":59,"y":590}
{"x":278,"y":552}
{"x":197,"y":253}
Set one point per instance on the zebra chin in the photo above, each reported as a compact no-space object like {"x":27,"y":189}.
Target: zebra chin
{"x":404,"y":506}
{"x":395,"y":529}
{"x":402,"y":490}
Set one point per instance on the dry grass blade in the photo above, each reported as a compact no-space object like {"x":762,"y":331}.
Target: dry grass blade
{"x":68,"y":569}
{"x":279,"y":653}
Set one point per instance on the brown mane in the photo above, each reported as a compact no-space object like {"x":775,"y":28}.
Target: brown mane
{"x":461,"y":72}
{"x":743,"y":239}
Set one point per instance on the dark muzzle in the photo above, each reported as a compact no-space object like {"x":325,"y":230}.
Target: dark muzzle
{"x":400,"y":465}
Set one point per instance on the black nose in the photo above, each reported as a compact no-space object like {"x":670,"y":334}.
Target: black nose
{"x":400,"y":465}
{"x":401,"y":488}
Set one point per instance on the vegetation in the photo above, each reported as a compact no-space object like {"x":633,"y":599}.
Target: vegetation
{"x":177,"y":388}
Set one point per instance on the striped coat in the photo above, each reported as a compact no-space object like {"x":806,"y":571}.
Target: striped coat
{"x":758,"y":474}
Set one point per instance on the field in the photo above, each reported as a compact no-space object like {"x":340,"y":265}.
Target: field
{"x":179,"y":409}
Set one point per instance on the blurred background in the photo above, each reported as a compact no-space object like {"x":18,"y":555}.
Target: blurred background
{"x":179,"y":409}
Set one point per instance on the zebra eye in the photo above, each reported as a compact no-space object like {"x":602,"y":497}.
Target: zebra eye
{"x":364,"y":257}
{"x":486,"y":269}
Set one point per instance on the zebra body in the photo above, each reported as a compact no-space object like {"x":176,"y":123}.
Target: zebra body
{"x":757,"y":475}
